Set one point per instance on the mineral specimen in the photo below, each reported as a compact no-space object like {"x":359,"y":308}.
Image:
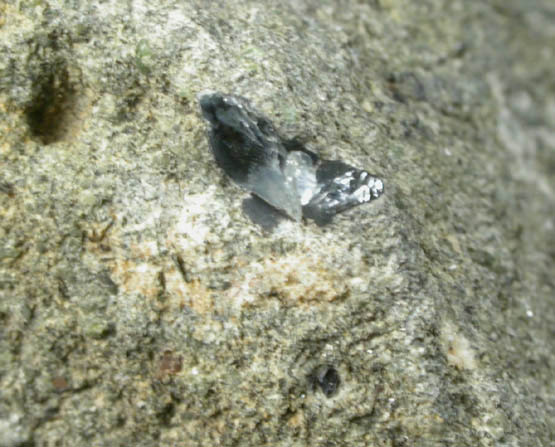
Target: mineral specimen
{"x":281,"y":172}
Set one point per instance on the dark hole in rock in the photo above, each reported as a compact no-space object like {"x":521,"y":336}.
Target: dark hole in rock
{"x":327,"y":379}
{"x":57,"y":111}
{"x":166,"y":413}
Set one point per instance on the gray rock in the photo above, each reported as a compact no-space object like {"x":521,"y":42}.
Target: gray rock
{"x":139,"y":303}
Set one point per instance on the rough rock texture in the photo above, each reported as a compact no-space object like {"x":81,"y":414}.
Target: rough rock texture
{"x":139,"y":304}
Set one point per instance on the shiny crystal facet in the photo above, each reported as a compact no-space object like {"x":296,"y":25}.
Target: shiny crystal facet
{"x":287,"y":176}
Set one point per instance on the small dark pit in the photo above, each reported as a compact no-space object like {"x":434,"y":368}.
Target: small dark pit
{"x":327,"y":379}
{"x":58,"y":107}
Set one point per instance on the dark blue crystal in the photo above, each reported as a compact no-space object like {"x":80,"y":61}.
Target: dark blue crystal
{"x":281,"y":172}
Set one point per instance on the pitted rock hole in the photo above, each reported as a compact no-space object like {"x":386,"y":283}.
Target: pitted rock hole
{"x":59,"y":105}
{"x":326,"y":377}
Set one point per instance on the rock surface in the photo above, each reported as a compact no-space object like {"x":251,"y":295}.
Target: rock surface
{"x":139,"y":304}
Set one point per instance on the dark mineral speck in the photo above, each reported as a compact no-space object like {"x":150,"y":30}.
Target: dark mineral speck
{"x":327,"y":379}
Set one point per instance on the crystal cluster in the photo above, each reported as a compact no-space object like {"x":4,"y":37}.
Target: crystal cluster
{"x":283,"y":173}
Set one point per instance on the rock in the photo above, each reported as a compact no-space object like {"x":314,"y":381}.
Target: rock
{"x":139,"y":303}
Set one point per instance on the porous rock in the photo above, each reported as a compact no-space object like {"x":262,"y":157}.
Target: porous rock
{"x":140,"y":305}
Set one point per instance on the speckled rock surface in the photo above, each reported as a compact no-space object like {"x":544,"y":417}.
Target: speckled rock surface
{"x":139,"y":304}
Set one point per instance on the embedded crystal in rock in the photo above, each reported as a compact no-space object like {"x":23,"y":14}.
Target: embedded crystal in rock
{"x":286,"y":175}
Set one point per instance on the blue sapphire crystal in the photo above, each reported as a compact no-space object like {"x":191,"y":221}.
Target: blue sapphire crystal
{"x":281,"y":172}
